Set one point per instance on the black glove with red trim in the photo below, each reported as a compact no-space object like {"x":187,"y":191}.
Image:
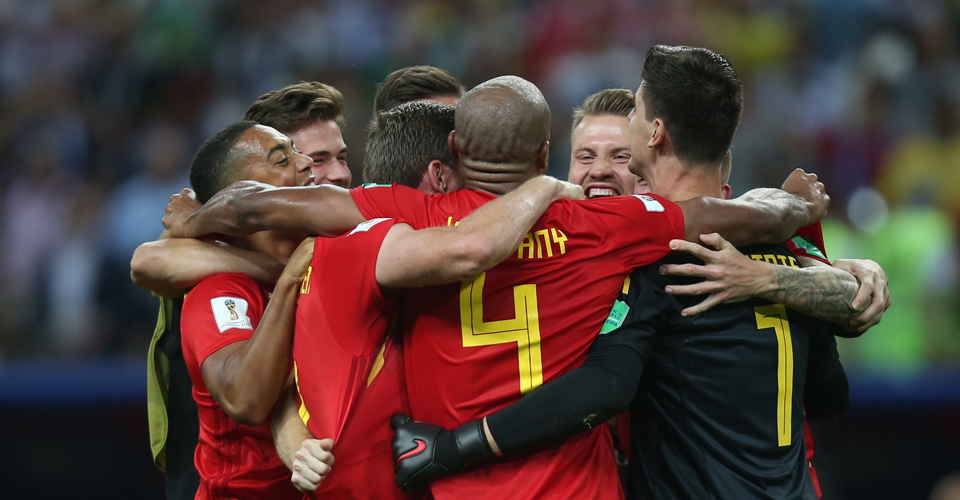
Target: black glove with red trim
{"x":424,"y":452}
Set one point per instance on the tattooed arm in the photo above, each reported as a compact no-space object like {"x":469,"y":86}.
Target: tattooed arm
{"x":819,"y":291}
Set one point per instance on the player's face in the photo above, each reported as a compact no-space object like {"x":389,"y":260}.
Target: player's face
{"x":323,"y":143}
{"x":272,"y":158}
{"x":640,"y":132}
{"x":600,"y":153}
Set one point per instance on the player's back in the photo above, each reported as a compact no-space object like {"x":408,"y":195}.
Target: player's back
{"x":349,"y":381}
{"x":718,"y":412}
{"x":476,"y":347}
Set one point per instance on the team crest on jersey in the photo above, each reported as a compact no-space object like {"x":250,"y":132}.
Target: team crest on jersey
{"x":230,"y":312}
{"x":650,"y":203}
{"x":365,"y":226}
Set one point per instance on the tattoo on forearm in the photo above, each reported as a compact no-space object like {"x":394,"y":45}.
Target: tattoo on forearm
{"x":821,"y":292}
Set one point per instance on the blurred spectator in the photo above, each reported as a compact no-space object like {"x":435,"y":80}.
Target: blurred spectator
{"x":132,"y":216}
{"x":103,"y":102}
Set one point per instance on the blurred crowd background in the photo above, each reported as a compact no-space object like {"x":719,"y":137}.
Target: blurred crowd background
{"x":103,"y":102}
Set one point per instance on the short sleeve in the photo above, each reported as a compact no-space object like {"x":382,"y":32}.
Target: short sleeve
{"x":344,"y":278}
{"x":635,"y":230}
{"x":808,"y":242}
{"x":377,"y":201}
{"x":221,"y":310}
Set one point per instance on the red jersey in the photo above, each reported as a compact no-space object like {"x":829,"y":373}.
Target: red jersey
{"x":349,"y":380}
{"x":476,"y":347}
{"x":235,"y":461}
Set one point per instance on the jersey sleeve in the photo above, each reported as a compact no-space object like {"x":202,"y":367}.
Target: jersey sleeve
{"x":638,"y":227}
{"x":826,"y":390}
{"x":221,"y":310}
{"x":376,"y":201}
{"x":808,"y":242}
{"x":345,"y":275}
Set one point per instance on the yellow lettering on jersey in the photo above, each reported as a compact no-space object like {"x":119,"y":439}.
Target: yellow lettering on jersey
{"x":626,"y":286}
{"x":528,"y":244}
{"x":377,"y":365}
{"x":542,"y":242}
{"x":304,"y":414}
{"x":775,"y":316}
{"x":523,"y":328}
{"x":305,"y":284}
{"x":783,"y":260}
{"x":546,"y":243}
{"x":559,"y":240}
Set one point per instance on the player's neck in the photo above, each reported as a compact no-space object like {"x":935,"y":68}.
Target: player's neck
{"x":495,"y":178}
{"x":679,"y":183}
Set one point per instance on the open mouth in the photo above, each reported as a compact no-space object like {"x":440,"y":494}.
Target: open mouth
{"x":601,"y":191}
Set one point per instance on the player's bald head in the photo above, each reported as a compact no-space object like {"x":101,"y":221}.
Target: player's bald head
{"x":503,"y":121}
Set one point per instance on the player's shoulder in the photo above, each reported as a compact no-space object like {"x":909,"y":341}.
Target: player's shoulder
{"x":620,"y":206}
{"x":224,"y":284}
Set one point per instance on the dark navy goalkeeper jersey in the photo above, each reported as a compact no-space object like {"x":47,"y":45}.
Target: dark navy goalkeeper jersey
{"x":718,"y":411}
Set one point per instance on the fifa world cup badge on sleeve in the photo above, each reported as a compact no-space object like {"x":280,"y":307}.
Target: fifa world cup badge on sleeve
{"x":230,"y":312}
{"x":650,"y":203}
{"x":615,"y":319}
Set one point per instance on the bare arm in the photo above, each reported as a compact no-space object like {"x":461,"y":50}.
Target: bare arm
{"x":289,"y":431}
{"x":170,"y":266}
{"x":820,"y":291}
{"x":246,"y":377}
{"x":309,"y":459}
{"x":482,"y":240}
{"x":247,"y":207}
{"x":759,"y":216}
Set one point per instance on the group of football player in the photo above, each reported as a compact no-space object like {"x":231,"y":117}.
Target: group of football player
{"x":464,"y":326}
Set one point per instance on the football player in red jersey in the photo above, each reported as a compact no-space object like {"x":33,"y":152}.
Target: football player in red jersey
{"x":600,"y":146}
{"x":237,"y":347}
{"x":234,"y":344}
{"x":502,"y":140}
{"x":450,"y":448}
{"x":311,"y":114}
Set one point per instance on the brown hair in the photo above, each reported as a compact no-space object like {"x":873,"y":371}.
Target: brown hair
{"x":617,"y":102}
{"x":295,"y":106}
{"x":404,"y":140}
{"x":414,"y":83}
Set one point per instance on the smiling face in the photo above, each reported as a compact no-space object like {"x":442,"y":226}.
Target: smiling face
{"x":272,"y":159}
{"x":323,"y":143}
{"x":600,"y":154}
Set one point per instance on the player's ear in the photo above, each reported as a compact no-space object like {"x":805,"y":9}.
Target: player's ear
{"x":451,"y":144}
{"x":658,"y":136}
{"x":543,"y":158}
{"x":437,"y":176}
{"x":726,"y":190}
